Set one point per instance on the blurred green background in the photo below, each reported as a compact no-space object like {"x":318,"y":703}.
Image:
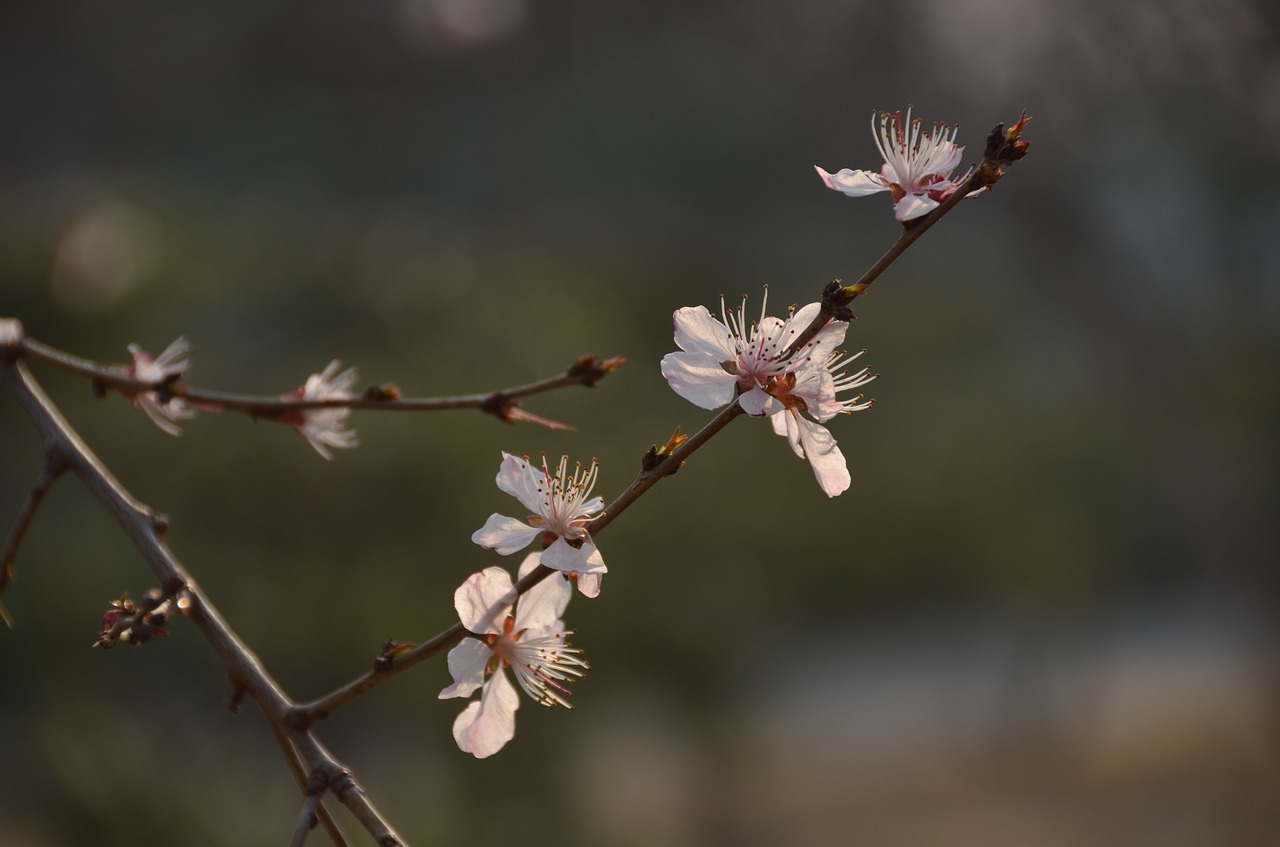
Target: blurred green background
{"x":1045,"y":613}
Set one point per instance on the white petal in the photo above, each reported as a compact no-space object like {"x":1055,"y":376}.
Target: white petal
{"x":698,"y":332}
{"x":484,"y":600}
{"x":824,"y":456}
{"x":542,"y":606}
{"x":913,"y":206}
{"x":758,"y":403}
{"x":589,"y":584}
{"x":529,"y":564}
{"x":467,"y":663}
{"x":485,"y":726}
{"x":521,"y":479}
{"x":505,"y":535}
{"x":699,"y":378}
{"x":563,"y":556}
{"x":851,"y":182}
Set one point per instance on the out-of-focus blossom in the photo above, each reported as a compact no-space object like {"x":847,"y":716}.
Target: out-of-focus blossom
{"x":561,"y":506}
{"x":917,"y":166}
{"x":325,"y":427}
{"x":164,"y":409}
{"x":526,"y":636}
{"x":720,"y":361}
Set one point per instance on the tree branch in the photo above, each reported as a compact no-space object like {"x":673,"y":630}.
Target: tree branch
{"x":53,"y":468}
{"x":144,"y":528}
{"x":585,"y":370}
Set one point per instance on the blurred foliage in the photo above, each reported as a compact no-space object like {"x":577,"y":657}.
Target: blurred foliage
{"x":1075,"y":419}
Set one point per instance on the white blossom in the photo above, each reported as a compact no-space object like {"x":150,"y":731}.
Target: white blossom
{"x":753,"y":365}
{"x":917,"y":166}
{"x":526,"y":636}
{"x":325,"y":427}
{"x":164,"y":410}
{"x":561,"y":506}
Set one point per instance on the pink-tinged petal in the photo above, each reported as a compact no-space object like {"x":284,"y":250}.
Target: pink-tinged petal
{"x":589,"y":584}
{"x":699,"y":378}
{"x":529,"y":564}
{"x":913,"y":206}
{"x":467,"y":662}
{"x":889,"y":174}
{"x":563,"y":556}
{"x":828,"y":463}
{"x":485,"y":726}
{"x":485,"y":600}
{"x":542,"y":606}
{"x":697,"y":331}
{"x":505,"y":535}
{"x":851,"y":182}
{"x":758,"y":403}
{"x":521,"y":479}
{"x":779,"y":423}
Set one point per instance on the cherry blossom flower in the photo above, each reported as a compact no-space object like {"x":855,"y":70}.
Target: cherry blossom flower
{"x":561,"y":506}
{"x":325,"y":427}
{"x":718,"y":360}
{"x":525,"y":636}
{"x":917,"y":166}
{"x":164,"y":410}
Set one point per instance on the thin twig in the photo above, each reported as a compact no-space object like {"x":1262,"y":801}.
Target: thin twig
{"x":315,"y":786}
{"x":586,"y":370}
{"x":53,"y":468}
{"x":295,"y":766}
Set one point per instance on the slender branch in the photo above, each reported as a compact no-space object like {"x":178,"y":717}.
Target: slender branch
{"x":295,"y":766}
{"x":586,"y":370}
{"x":53,"y":468}
{"x":306,"y":820}
{"x":144,"y":528}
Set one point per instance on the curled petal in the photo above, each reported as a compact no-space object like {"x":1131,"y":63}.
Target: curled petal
{"x":913,"y":206}
{"x":504,"y":535}
{"x":589,"y":584}
{"x":563,"y":556}
{"x":851,"y":182}
{"x":814,"y":442}
{"x":486,"y":725}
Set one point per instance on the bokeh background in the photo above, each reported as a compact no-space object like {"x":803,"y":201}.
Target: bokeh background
{"x":1045,"y":614}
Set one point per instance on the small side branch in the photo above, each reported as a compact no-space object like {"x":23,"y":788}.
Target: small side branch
{"x":295,"y":767}
{"x":53,"y":468}
{"x":585,"y":370}
{"x":310,"y":806}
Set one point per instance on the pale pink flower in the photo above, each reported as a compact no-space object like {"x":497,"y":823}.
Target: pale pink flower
{"x":325,"y":427}
{"x":526,"y":636}
{"x":561,"y":507}
{"x":719,"y":363}
{"x":917,"y":166}
{"x":164,"y":410}
{"x":718,"y":360}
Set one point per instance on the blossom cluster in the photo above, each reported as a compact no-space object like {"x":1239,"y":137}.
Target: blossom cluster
{"x":785,"y":369}
{"x":323,"y":428}
{"x":759,"y":366}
